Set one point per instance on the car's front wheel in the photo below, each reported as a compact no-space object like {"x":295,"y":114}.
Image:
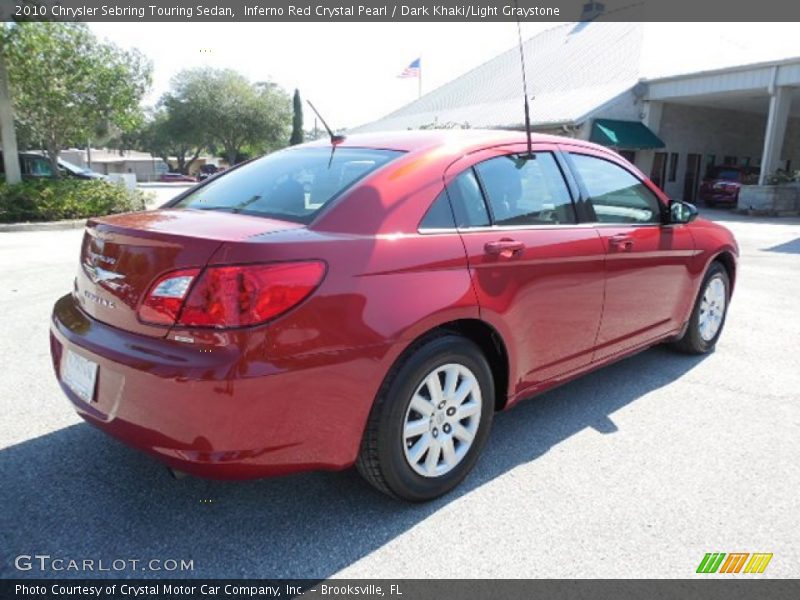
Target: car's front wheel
{"x":708,"y":316}
{"x":430,"y":420}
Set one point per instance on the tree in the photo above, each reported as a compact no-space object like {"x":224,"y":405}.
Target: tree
{"x":183,"y":127}
{"x":68,"y":86}
{"x":226,"y":111}
{"x":166,"y":135}
{"x":297,"y":120}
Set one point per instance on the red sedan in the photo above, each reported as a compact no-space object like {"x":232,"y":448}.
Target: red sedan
{"x":176,"y":178}
{"x":374,"y":302}
{"x":722,"y":185}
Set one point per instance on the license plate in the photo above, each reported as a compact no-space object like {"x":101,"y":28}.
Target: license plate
{"x":80,"y":375}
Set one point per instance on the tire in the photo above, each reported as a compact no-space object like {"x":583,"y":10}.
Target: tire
{"x":395,"y":455}
{"x":697,"y":339}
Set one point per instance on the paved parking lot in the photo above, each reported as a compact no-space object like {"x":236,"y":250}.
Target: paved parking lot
{"x":637,"y":470}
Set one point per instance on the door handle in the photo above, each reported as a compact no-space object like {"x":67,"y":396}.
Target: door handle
{"x":621,"y":243}
{"x":505,"y":247}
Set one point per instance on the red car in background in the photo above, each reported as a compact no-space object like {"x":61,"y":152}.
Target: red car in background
{"x":721,"y":184}
{"x":375,"y":301}
{"x":176,"y":178}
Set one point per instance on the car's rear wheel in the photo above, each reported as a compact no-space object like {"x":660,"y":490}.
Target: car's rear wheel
{"x":708,"y":316}
{"x":430,"y":420}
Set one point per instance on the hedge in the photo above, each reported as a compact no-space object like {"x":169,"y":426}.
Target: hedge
{"x":56,"y":199}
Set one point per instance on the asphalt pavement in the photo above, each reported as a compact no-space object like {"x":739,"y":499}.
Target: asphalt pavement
{"x":636,"y":470}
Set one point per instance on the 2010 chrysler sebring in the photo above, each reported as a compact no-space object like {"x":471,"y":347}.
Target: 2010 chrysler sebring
{"x":373,"y":301}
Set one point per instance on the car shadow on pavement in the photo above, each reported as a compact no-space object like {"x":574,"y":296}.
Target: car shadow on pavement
{"x":727,"y":215}
{"x":792,"y":247}
{"x":78,"y":494}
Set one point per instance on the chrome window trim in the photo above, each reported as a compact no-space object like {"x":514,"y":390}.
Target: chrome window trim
{"x":439,"y":231}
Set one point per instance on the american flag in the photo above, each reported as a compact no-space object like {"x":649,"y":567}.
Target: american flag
{"x":411,"y":70}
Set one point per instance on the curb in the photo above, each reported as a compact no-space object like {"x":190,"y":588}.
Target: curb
{"x":753,"y":212}
{"x":43,"y":226}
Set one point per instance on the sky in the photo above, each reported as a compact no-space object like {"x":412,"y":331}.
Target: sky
{"x":349,"y":70}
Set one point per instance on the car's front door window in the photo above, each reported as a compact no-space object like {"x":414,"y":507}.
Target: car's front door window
{"x":616,"y":195}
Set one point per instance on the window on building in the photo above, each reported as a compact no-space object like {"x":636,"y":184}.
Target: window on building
{"x":729,"y":161}
{"x":615,"y":194}
{"x":711,"y":161}
{"x":673,"y":166}
{"x":526,"y":192}
{"x":659,"y":171}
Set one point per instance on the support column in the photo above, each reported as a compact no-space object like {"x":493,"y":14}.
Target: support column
{"x":652,"y":119}
{"x":7,"y":132}
{"x":777,"y":121}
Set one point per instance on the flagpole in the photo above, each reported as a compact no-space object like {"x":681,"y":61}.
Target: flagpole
{"x":419,"y":89}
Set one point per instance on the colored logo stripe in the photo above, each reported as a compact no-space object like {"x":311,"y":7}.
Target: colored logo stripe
{"x":758,"y":563}
{"x":734,"y":562}
{"x":713,"y":562}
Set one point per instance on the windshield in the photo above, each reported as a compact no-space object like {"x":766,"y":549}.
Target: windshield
{"x":724,"y":174}
{"x":292,"y":185}
{"x":71,"y":166}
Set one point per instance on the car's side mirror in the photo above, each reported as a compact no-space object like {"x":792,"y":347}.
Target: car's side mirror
{"x":682,"y":212}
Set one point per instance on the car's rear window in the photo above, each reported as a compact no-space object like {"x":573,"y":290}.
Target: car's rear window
{"x":291,"y":185}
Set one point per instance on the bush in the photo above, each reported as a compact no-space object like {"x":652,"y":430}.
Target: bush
{"x":53,"y":200}
{"x":782,"y":176}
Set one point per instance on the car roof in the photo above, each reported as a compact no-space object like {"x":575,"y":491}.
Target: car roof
{"x":459,"y":141}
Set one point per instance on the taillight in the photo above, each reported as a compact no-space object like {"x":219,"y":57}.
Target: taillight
{"x":235,"y":296}
{"x":165,"y":298}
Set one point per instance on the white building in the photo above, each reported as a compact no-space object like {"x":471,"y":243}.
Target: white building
{"x":674,"y":98}
{"x":143,"y":165}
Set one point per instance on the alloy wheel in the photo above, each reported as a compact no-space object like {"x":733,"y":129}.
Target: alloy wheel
{"x":442,"y":420}
{"x":712,"y":308}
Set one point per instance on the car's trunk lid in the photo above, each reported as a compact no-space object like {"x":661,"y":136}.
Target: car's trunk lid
{"x":123,"y":255}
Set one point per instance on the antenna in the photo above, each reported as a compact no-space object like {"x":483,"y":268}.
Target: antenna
{"x":335,"y":139}
{"x":524,"y":84}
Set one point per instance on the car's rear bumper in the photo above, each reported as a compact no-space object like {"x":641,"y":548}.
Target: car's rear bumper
{"x":221,"y":412}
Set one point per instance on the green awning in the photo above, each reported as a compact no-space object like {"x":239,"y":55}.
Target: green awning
{"x":624,"y":135}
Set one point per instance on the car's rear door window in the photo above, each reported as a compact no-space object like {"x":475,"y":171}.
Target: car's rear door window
{"x":460,"y":205}
{"x":469,"y":206}
{"x":439,"y":215}
{"x":526,"y":191}
{"x":615,"y":194}
{"x":292,"y":185}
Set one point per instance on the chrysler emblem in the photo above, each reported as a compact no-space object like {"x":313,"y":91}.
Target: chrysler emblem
{"x":100,"y":275}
